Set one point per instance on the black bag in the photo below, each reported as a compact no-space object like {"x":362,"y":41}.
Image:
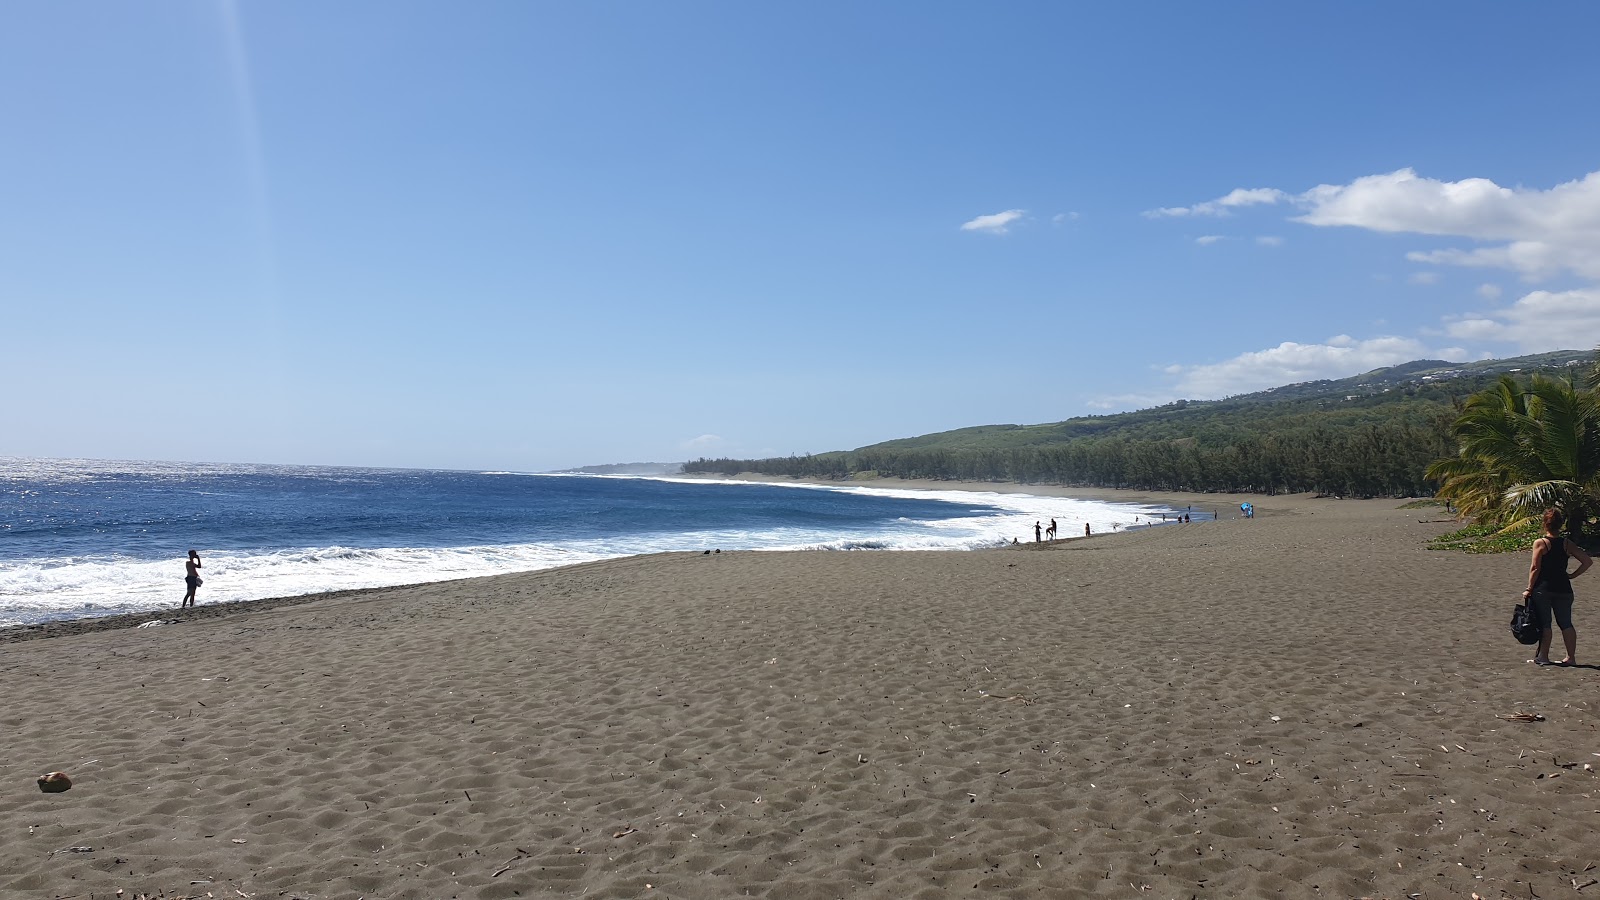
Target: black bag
{"x":1523,"y":627}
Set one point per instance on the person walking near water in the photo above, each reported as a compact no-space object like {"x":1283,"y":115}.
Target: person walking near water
{"x":1051,"y":531}
{"x":192,"y":579}
{"x":1086,"y":529}
{"x":1550,"y":587}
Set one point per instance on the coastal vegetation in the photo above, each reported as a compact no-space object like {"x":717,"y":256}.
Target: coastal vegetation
{"x":1489,"y":538}
{"x":1524,"y":447}
{"x":1373,"y":435}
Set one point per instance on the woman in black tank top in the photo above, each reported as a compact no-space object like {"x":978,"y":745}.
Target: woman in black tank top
{"x":1550,"y":587}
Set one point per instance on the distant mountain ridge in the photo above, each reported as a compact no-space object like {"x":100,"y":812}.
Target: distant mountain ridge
{"x":1422,"y":371}
{"x":1367,"y":389}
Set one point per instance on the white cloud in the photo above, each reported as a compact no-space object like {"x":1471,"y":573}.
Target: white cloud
{"x":1251,"y":197}
{"x":1206,"y":240}
{"x":997,"y":223}
{"x":1540,"y":321}
{"x":1489,"y":291}
{"x":1224,"y":205}
{"x":1534,"y":259}
{"x":703,"y":442}
{"x":1289,"y":362}
{"x":1543,"y":233}
{"x":1536,"y":233}
{"x":1423,"y":278}
{"x":1270,"y":240}
{"x":1059,"y":218}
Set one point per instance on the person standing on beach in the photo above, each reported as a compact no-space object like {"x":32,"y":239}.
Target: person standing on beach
{"x":192,"y":578}
{"x":1051,"y":531}
{"x":1037,"y":536}
{"x":1550,"y":587}
{"x":1086,"y":529}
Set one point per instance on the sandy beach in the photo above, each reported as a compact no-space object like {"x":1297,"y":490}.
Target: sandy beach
{"x":1307,"y":704}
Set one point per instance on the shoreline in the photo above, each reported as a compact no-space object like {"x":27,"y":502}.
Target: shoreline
{"x":172,"y":615}
{"x":13,"y":634}
{"x":87,"y":624}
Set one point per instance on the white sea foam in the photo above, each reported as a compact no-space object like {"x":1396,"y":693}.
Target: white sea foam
{"x":56,"y":588}
{"x":39,"y":590}
{"x":1017,"y":513}
{"x":1015,"y":519}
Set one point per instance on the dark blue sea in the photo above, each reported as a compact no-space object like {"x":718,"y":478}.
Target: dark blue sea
{"x":87,"y":538}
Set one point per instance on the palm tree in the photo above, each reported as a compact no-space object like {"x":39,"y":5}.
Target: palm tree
{"x":1487,"y":429}
{"x":1562,"y":463}
{"x":1523,"y":451}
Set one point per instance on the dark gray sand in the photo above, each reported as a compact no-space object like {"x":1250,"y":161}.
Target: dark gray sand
{"x":1303,"y":705}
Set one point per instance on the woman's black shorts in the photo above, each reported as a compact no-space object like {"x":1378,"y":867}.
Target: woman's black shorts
{"x":1547,"y":605}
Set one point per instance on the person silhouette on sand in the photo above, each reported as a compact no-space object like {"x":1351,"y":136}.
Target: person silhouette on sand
{"x":1037,"y":535}
{"x":192,"y":567}
{"x":1051,"y":531}
{"x":1550,"y":587}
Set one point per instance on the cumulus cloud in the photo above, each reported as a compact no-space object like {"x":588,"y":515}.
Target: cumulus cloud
{"x":1536,"y":233}
{"x":997,"y":223}
{"x":1534,"y":259}
{"x":1540,"y":321}
{"x":1489,"y":291}
{"x":1224,"y":205}
{"x":1290,"y":362}
{"x":1206,"y":240}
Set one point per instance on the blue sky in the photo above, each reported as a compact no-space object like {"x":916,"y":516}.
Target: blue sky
{"x":537,"y":235}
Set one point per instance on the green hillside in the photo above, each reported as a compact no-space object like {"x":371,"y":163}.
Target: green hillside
{"x":1369,"y":435}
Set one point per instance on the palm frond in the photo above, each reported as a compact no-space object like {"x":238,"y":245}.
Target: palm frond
{"x":1526,"y":500}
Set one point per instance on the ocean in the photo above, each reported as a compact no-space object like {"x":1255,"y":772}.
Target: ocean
{"x":83,"y":538}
